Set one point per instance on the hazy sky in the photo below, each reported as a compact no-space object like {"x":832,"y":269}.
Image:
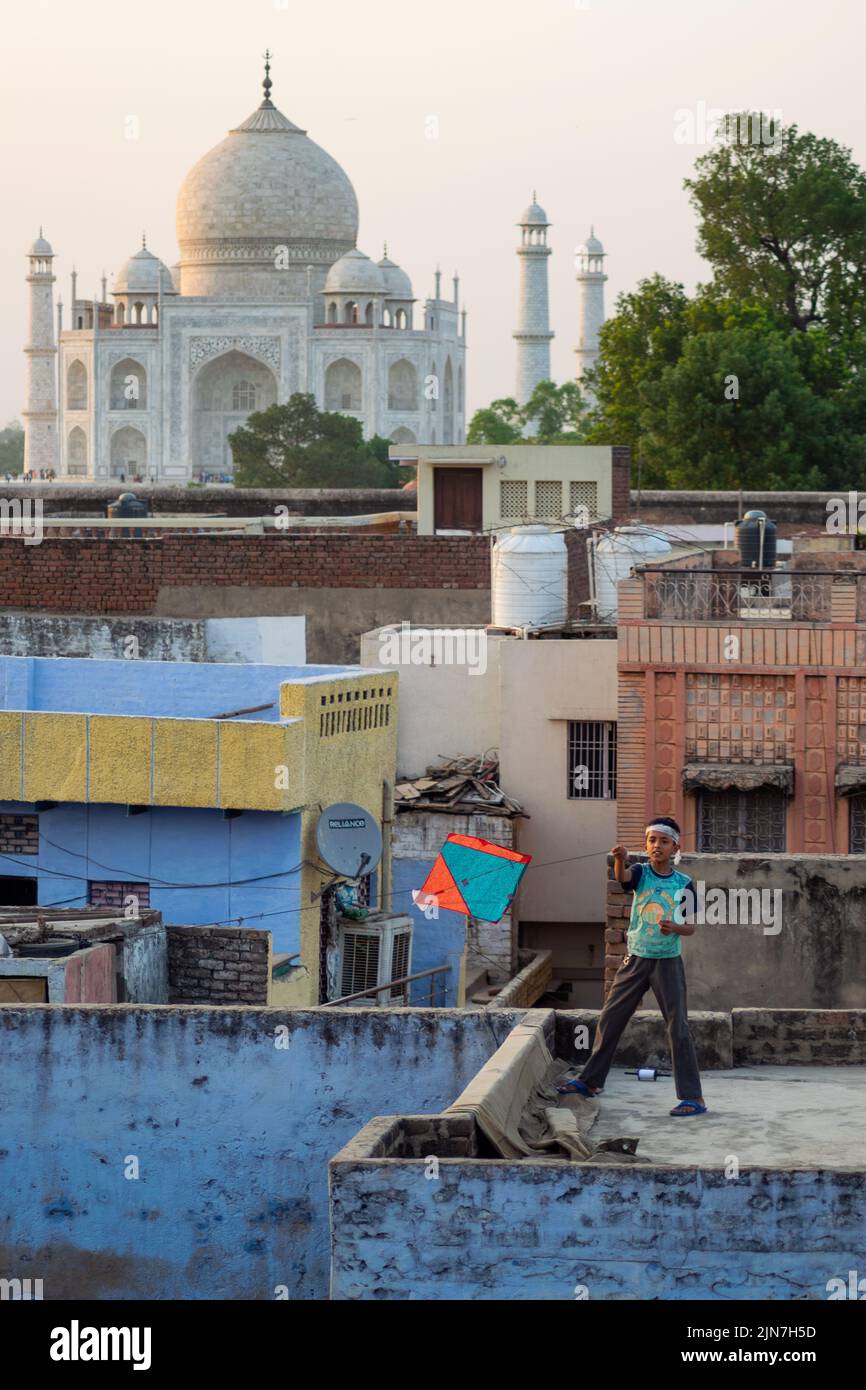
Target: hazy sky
{"x":577,"y":98}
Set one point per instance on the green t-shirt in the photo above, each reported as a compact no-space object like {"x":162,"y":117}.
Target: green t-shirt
{"x":656,"y":896}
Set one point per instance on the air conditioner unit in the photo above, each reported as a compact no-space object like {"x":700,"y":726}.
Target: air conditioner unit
{"x":374,"y":952}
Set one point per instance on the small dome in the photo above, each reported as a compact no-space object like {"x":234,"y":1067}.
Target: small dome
{"x":592,"y":246}
{"x":40,"y":246}
{"x":397,"y":282}
{"x":355,"y":273}
{"x":534,"y":216}
{"x":142,"y":274}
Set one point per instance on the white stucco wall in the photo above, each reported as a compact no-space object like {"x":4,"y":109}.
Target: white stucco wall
{"x":521,"y":706}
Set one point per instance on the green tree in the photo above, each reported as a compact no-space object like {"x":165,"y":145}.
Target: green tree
{"x":636,"y":346}
{"x":500,"y":423}
{"x":12,"y":448}
{"x":553,"y":415}
{"x":738,"y":410}
{"x":298,"y":445}
{"x":555,"y":412}
{"x":784,"y":223}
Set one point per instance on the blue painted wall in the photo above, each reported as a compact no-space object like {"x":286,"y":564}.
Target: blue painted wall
{"x":201,"y":867}
{"x":232,"y":1134}
{"x":437,"y":942}
{"x":552,"y":1229}
{"x":161,"y":689}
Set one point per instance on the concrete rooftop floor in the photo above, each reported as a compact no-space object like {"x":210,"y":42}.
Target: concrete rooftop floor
{"x":779,"y":1117}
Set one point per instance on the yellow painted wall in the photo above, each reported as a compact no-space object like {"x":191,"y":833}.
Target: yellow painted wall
{"x":55,"y":757}
{"x":151,"y":762}
{"x":350,"y":748}
{"x":120,"y":759}
{"x":10,"y":755}
{"x":530,"y":462}
{"x":265,"y":773}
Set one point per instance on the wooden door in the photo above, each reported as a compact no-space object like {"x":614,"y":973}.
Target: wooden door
{"x":457,"y":499}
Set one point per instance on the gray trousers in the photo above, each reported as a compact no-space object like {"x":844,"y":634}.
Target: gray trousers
{"x":666,"y":977}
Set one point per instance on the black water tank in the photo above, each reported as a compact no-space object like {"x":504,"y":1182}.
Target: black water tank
{"x":753,"y":532}
{"x":51,"y":948}
{"x":128,"y":504}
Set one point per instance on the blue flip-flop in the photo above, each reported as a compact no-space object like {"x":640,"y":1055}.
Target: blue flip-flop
{"x":695,"y":1108}
{"x":576,"y":1088}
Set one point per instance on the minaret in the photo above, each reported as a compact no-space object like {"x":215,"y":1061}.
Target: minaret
{"x":589,"y":261}
{"x":40,"y":412}
{"x":533,"y":334}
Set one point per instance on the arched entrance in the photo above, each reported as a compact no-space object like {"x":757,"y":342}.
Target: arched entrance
{"x":225,"y":393}
{"x":76,"y":453}
{"x":128,"y":454}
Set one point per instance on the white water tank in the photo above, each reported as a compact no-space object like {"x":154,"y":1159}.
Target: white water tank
{"x":615,"y":556}
{"x":530,"y":578}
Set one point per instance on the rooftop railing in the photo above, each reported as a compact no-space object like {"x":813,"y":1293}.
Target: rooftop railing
{"x":732,"y":595}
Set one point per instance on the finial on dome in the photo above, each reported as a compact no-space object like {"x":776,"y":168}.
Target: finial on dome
{"x":143,"y":241}
{"x":386,"y":248}
{"x":267,"y":84}
{"x":535,"y":195}
{"x":591,"y":229}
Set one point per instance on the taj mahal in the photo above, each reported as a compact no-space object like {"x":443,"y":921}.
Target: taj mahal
{"x":271,"y":296}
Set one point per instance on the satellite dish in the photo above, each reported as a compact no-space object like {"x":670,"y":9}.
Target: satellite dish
{"x":349,"y":840}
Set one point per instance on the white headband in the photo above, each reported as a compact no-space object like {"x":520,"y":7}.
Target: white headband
{"x":665,"y":830}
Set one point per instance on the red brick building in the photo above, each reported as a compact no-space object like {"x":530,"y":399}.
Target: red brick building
{"x":742,"y":704}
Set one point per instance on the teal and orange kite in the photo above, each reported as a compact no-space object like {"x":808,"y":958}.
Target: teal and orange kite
{"x":474,"y":877}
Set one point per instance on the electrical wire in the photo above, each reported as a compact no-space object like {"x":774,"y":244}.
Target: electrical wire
{"x":314,"y":907}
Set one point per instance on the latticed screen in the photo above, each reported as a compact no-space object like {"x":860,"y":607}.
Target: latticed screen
{"x":360,"y":963}
{"x":857,"y":825}
{"x":513,"y":499}
{"x":583,"y":500}
{"x":733,"y":822}
{"x":548,"y":500}
{"x":591,"y":760}
{"x":400,"y":963}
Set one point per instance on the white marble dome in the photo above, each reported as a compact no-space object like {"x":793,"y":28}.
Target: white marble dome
{"x":534,"y":216}
{"x":143,"y":273}
{"x":355,"y":273}
{"x":592,"y":246}
{"x":397,"y":282}
{"x":266,"y":186}
{"x":40,"y":246}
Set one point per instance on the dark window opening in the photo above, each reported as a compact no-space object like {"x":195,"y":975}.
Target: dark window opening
{"x":733,"y":822}
{"x":16,"y":891}
{"x":857,"y":825}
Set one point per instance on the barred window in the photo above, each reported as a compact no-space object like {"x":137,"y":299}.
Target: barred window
{"x":583,"y":500}
{"x":243,"y":396}
{"x":548,"y":500}
{"x":857,"y":825}
{"x":732,"y":822}
{"x":513,"y":499}
{"x":591,"y":760}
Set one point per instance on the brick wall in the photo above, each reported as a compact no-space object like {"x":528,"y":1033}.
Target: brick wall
{"x":799,"y":1037}
{"x":127,"y":575}
{"x":616,"y":929}
{"x":19,"y":834}
{"x":529,"y":984}
{"x":621,"y":480}
{"x":115,"y":895}
{"x":218,"y":965}
{"x":91,"y":499}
